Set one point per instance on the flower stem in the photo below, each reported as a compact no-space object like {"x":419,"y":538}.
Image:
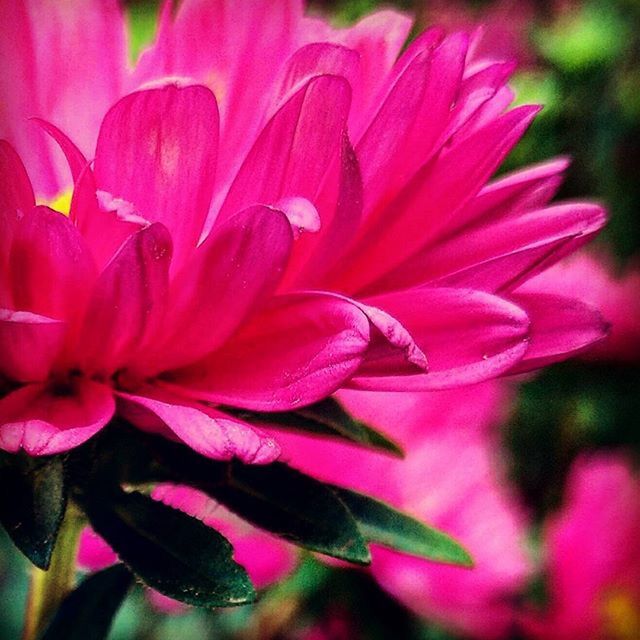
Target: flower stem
{"x":48,"y":588}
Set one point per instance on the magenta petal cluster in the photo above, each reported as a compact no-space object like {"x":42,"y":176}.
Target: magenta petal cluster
{"x":274,"y":210}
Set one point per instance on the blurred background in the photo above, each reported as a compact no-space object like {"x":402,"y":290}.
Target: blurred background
{"x":569,"y":447}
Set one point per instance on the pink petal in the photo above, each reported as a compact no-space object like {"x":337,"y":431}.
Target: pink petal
{"x":432,"y":198}
{"x":316,"y":59}
{"x":300,"y":349}
{"x":62,"y":61}
{"x":247,"y":44}
{"x":16,"y":198}
{"x":209,"y":432}
{"x":393,"y":350}
{"x":157,"y":150}
{"x":29,"y":344}
{"x":50,"y":266}
{"x":468,"y":336}
{"x":127,"y":301}
{"x":16,"y":192}
{"x":530,"y":188}
{"x":496,"y":254}
{"x":94,"y":553}
{"x":236,"y":267}
{"x":104,"y":230}
{"x":339,"y":204}
{"x":411,"y":118}
{"x":293,"y":151}
{"x":560,"y":327}
{"x":378,"y":39}
{"x":75,"y":158}
{"x":44,"y":420}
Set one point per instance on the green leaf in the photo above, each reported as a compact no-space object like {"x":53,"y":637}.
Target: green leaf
{"x":33,"y":499}
{"x":293,"y":506}
{"x":87,"y":612}
{"x":391,"y":528}
{"x":274,"y":497}
{"x":325,"y":418}
{"x":170,"y":551}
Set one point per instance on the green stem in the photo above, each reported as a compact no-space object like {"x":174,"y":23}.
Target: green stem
{"x":48,"y":588}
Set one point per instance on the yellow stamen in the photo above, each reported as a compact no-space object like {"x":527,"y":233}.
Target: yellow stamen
{"x":62,"y":203}
{"x":621,"y":615}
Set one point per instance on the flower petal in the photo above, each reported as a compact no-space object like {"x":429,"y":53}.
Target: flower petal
{"x":236,"y":267}
{"x":29,"y":344}
{"x":294,"y":150}
{"x":66,"y":62}
{"x":16,"y":192}
{"x":43,"y":420}
{"x":468,"y":336}
{"x":127,"y":301}
{"x":498,"y":254}
{"x":560,"y":327}
{"x":298,"y":350}
{"x":207,"y":431}
{"x":157,"y":150}
{"x":50,"y":266}
{"x":430,"y":200}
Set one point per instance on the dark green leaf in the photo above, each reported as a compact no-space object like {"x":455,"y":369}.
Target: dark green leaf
{"x":325,"y":418}
{"x":170,"y":551}
{"x":87,"y":613}
{"x":273,"y":497}
{"x":293,"y":506}
{"x":389,"y":527}
{"x":33,"y":499}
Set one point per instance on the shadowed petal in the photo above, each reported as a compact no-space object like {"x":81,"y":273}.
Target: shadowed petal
{"x":127,"y":301}
{"x":50,"y":266}
{"x":43,"y":420}
{"x":29,"y":344}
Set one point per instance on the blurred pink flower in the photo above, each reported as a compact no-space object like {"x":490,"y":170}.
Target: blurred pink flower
{"x":501,"y":27}
{"x":592,"y":562}
{"x":594,"y":279}
{"x":380,"y":166}
{"x":452,"y":479}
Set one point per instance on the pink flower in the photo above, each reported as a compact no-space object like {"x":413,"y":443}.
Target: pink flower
{"x":404,"y":268}
{"x":119,"y":302}
{"x":593,"y":278}
{"x":451,"y":478}
{"x":593,"y":556}
{"x":502,"y":26}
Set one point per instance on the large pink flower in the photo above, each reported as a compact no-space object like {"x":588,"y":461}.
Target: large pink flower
{"x":159,"y":287}
{"x":406,"y":221}
{"x":119,"y":302}
{"x":450,"y":478}
{"x":593,"y":556}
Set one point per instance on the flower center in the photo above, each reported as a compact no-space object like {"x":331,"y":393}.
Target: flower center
{"x":621,"y":615}
{"x":62,"y":202}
